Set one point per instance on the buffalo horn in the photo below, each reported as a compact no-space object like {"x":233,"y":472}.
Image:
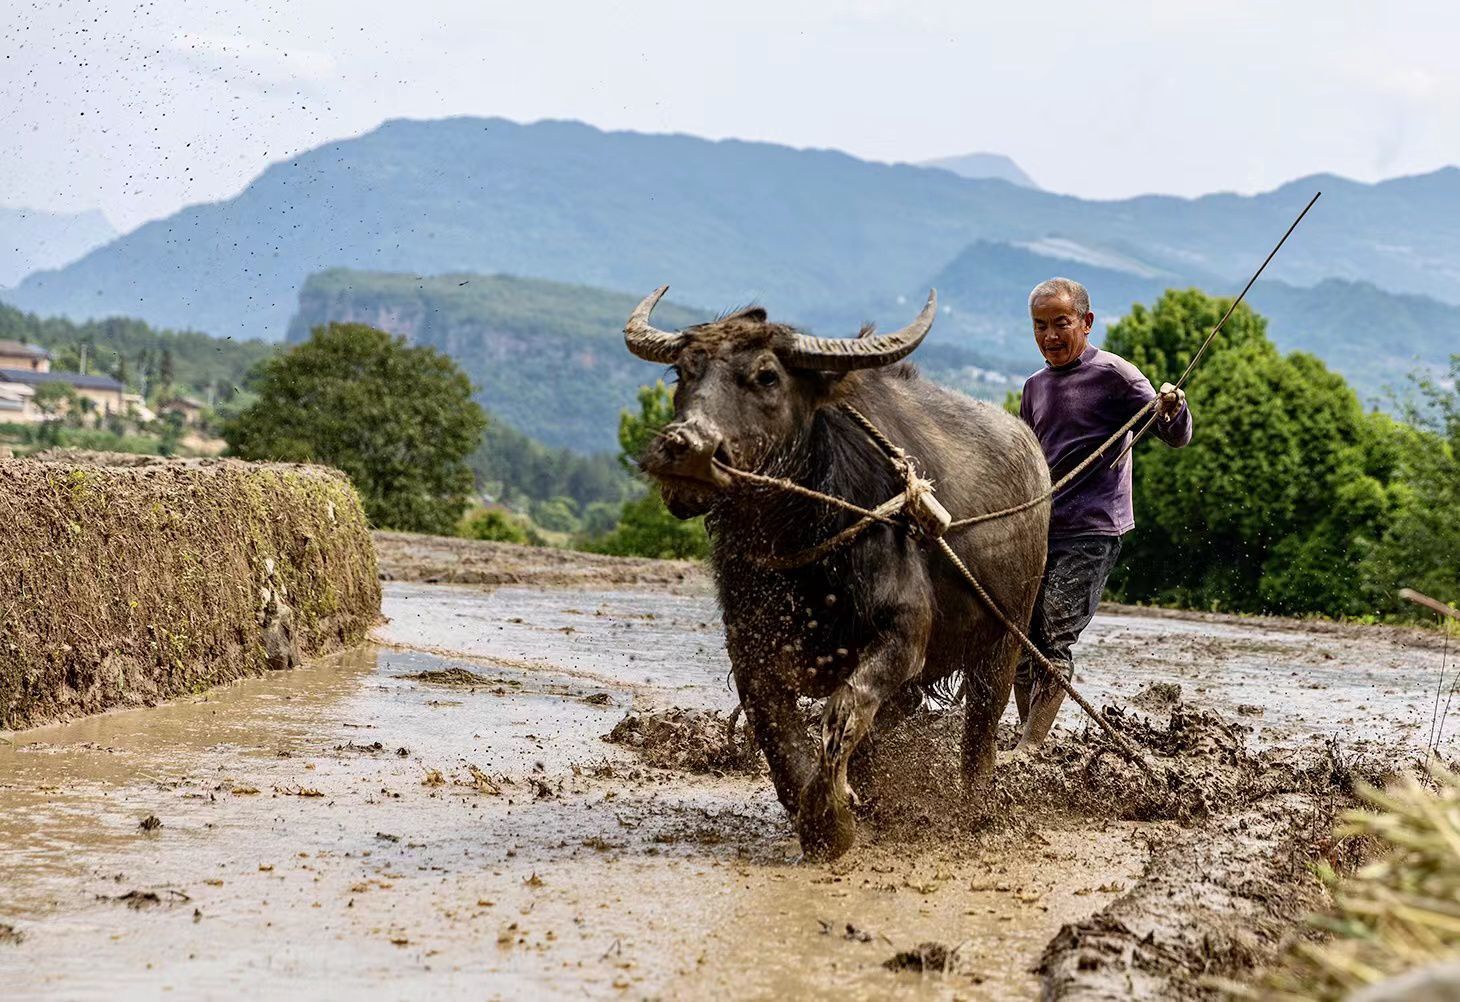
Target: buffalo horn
{"x":845,"y":354}
{"x":650,"y":343}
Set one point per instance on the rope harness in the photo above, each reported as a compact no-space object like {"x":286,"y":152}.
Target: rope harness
{"x":917,"y":510}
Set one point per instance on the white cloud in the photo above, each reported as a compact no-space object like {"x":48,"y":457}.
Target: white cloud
{"x":252,"y":61}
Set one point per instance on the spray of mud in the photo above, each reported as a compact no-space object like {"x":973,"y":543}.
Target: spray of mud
{"x":1224,"y":885}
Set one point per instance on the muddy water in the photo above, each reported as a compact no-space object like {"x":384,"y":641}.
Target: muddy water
{"x":324,"y":830}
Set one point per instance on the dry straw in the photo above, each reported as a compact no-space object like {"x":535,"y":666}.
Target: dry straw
{"x":123,"y":585}
{"x":1398,"y":913}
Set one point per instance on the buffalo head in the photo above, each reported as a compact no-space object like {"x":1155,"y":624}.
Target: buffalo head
{"x":746,"y":388}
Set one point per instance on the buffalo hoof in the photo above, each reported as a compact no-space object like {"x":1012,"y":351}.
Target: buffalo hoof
{"x":824,"y":822}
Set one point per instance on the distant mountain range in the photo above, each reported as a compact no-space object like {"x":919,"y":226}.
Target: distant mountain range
{"x":980,"y":166}
{"x":31,"y":240}
{"x":1369,"y":283}
{"x":1377,"y":339}
{"x":548,"y":357}
{"x":808,"y":232}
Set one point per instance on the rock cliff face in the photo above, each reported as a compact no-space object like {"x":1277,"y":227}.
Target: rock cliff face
{"x":547,"y":357}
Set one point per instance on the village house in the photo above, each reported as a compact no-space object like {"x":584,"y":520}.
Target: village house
{"x":18,"y":355}
{"x":191,"y":410}
{"x":18,"y":386}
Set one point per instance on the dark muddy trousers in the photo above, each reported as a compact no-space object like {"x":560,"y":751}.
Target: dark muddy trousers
{"x":1074,"y":579}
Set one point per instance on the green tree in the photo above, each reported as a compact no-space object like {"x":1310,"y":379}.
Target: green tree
{"x":636,"y":431}
{"x":557,"y":514}
{"x":645,"y":527}
{"x":494,"y":525}
{"x":1285,"y":481}
{"x":1421,"y":547}
{"x":166,"y":372}
{"x":398,"y":420}
{"x":599,"y":518}
{"x":54,"y":399}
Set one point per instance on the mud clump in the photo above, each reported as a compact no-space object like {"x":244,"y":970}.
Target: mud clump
{"x":450,"y":676}
{"x":10,"y":936}
{"x":1158,"y":696}
{"x":142,"y":900}
{"x":701,"y":741}
{"x":935,"y":958}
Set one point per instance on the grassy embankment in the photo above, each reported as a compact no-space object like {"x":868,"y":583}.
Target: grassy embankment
{"x":126,"y":585}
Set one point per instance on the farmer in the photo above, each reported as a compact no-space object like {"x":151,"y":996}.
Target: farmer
{"x":1076,"y":402}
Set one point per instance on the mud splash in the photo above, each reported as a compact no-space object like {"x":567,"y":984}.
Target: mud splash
{"x":1228,"y":875}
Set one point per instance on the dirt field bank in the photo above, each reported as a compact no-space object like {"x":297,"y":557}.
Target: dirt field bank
{"x":124,"y":585}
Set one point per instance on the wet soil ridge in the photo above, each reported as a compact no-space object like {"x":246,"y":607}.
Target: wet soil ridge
{"x":1222,"y":896}
{"x":1215,"y":901}
{"x":124,"y":585}
{"x":406,"y":556}
{"x":1229,"y":876}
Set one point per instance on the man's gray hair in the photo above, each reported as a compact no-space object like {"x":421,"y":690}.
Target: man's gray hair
{"x":1066,"y":287}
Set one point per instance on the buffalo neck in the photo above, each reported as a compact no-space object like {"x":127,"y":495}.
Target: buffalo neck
{"x":834,"y":457}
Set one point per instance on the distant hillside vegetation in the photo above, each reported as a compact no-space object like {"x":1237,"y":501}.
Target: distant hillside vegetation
{"x":549,"y":357}
{"x":807,"y":231}
{"x":135,"y":353}
{"x":1376,"y":339}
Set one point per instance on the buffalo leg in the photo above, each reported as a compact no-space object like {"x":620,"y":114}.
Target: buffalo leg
{"x":781,"y":734}
{"x":986,"y":693}
{"x":825,"y":818}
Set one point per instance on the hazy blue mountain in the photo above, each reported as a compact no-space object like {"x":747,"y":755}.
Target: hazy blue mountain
{"x":983,"y":165}
{"x":1375,"y":338}
{"x":807,"y":232}
{"x":31,"y":240}
{"x":547,"y":357}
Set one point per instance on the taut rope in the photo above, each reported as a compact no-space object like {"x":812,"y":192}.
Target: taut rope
{"x":922,"y":515}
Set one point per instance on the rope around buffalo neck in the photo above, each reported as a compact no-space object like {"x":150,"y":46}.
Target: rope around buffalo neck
{"x":883,"y":513}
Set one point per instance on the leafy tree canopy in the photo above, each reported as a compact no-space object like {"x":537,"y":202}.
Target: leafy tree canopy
{"x":1283,"y":484}
{"x":646,"y":528}
{"x":398,"y":420}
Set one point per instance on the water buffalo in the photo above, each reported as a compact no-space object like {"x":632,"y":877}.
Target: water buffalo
{"x":870,"y":624}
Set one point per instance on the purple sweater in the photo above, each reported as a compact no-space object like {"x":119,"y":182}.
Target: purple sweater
{"x":1072,"y":410}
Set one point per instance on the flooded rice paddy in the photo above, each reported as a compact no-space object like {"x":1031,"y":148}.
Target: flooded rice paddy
{"x":383,"y":823}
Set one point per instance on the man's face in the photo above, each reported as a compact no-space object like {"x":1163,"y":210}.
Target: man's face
{"x":1060,"y":333}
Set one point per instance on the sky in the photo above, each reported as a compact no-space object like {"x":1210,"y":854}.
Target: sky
{"x":139,"y":108}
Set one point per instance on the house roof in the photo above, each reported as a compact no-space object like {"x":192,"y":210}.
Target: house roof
{"x":186,"y":403}
{"x":72,"y":378}
{"x":14,"y":348}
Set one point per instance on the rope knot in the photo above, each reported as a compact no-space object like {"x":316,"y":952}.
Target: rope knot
{"x":924,"y":512}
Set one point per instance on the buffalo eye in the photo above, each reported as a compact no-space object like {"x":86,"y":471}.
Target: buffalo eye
{"x":767,"y":377}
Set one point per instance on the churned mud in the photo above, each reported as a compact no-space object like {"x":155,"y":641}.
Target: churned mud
{"x":439,"y":815}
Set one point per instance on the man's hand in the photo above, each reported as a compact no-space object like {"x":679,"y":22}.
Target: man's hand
{"x":1170,"y":401}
